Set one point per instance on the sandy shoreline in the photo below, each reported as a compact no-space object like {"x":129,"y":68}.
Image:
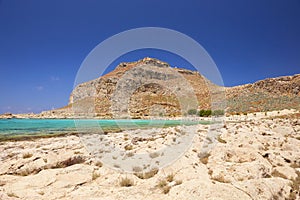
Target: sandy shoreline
{"x":253,"y":157}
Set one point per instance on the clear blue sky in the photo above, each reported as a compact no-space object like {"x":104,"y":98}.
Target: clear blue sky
{"x":43,"y":43}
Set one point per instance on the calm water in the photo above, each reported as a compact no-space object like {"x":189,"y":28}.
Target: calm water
{"x":19,"y":127}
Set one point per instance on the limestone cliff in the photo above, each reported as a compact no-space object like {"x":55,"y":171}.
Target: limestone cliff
{"x":150,"y":87}
{"x":269,"y":94}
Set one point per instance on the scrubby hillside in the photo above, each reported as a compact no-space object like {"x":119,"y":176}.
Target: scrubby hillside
{"x":150,"y":87}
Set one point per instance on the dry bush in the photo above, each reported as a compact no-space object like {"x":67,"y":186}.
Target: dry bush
{"x":170,"y":178}
{"x":27,"y":155}
{"x":204,"y":157}
{"x":98,"y":164}
{"x":95,"y":175}
{"x":276,"y":173}
{"x":153,"y":155}
{"x":137,"y":169}
{"x":221,"y":140}
{"x":12,"y":195}
{"x":147,"y":175}
{"x":126,"y":182}
{"x":163,"y":186}
{"x":130,"y":154}
{"x":69,"y":162}
{"x":295,"y":187}
{"x":220,"y":179}
{"x":10,"y":155}
{"x":178,"y":182}
{"x":128,"y":147}
{"x":166,"y":189}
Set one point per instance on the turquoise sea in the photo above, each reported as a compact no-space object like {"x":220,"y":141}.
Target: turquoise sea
{"x":37,"y":127}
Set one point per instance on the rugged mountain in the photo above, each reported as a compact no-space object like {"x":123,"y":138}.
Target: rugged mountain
{"x":265,"y":95}
{"x":150,"y":87}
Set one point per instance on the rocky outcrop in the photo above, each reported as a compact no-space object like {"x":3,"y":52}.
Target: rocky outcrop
{"x":159,"y":96}
{"x":150,"y":87}
{"x":265,"y":95}
{"x":252,"y":159}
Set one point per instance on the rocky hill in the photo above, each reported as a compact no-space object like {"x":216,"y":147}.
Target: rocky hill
{"x":153,"y":88}
{"x":265,"y":95}
{"x":150,"y":87}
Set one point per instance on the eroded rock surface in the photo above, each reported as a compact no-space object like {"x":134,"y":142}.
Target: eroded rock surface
{"x":253,"y":159}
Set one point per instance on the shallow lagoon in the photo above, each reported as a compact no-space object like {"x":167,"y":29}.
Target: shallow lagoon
{"x":43,"y":127}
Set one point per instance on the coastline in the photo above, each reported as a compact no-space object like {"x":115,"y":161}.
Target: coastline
{"x":43,"y":128}
{"x":254,"y":158}
{"x":191,"y":119}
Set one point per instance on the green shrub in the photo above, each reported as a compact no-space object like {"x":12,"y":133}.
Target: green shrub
{"x":218,"y":112}
{"x":192,"y":112}
{"x":205,"y":113}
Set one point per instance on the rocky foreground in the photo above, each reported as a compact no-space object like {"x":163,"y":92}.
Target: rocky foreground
{"x":255,"y":157}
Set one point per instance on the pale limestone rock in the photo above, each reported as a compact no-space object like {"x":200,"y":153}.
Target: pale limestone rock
{"x":269,"y":188}
{"x":239,"y":168}
{"x":198,"y":189}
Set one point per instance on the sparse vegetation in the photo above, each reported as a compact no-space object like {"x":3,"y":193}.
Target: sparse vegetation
{"x":116,"y":166}
{"x":137,"y":169}
{"x":295,"y":187}
{"x":25,"y":172}
{"x":166,"y":189}
{"x":27,"y":155}
{"x":205,"y":113}
{"x":114,"y":157}
{"x":163,"y":186}
{"x":276,"y":173}
{"x":220,"y":179}
{"x":218,"y":112}
{"x":2,"y":183}
{"x":95,"y":175}
{"x":147,"y":175}
{"x":192,"y":112}
{"x":178,"y":182}
{"x":221,"y":140}
{"x":170,"y":178}
{"x":12,"y":195}
{"x":130,"y":154}
{"x":154,"y":155}
{"x":295,"y":165}
{"x":69,"y":162}
{"x":204,"y":158}
{"x":98,"y":164}
{"x":261,"y":101}
{"x":10,"y":155}
{"x":162,"y":183}
{"x":126,"y":182}
{"x":128,"y":147}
